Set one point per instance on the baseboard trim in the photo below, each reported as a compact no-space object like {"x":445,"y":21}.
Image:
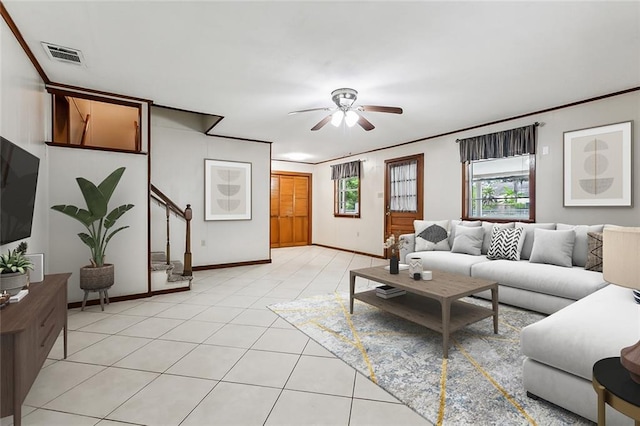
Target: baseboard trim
{"x":93,"y":302}
{"x":230,"y":265}
{"x":171,"y":290}
{"x":350,"y":251}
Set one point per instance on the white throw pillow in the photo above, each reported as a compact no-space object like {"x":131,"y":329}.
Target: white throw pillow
{"x":506,"y":243}
{"x":432,"y":235}
{"x":488,"y":233}
{"x":468,"y":240}
{"x":553,"y":247}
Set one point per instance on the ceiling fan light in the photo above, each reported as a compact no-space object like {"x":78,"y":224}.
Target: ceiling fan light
{"x":336,"y":118}
{"x":351,"y":118}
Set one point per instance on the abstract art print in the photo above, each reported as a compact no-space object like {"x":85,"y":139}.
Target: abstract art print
{"x":227,"y":190}
{"x":597,"y":166}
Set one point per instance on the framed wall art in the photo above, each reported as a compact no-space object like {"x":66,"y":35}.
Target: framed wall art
{"x":597,"y":166}
{"x":227,"y":190}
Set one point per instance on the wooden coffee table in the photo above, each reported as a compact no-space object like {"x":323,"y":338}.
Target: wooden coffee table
{"x":433,"y":304}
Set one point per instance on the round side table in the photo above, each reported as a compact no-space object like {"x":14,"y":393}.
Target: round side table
{"x":615,"y":387}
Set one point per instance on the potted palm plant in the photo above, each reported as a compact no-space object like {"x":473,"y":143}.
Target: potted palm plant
{"x":14,"y":270}
{"x":99,"y":222}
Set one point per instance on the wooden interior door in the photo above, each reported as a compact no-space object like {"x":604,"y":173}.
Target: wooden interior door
{"x":400,"y":220}
{"x":290,"y":209}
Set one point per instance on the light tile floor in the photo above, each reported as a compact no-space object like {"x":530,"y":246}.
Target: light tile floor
{"x":215,"y":355}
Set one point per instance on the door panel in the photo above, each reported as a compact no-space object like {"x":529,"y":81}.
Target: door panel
{"x":275,"y":231}
{"x":399,"y":220}
{"x":290,"y":209}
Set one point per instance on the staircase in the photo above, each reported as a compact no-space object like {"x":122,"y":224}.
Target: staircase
{"x":165,"y":276}
{"x":173,"y":274}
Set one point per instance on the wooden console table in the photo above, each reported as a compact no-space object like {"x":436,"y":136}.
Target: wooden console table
{"x":29,"y":329}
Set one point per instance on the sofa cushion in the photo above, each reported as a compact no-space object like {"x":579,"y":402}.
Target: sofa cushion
{"x":575,"y":337}
{"x":506,"y":244}
{"x":431,"y":235}
{"x":571,"y":283}
{"x":529,"y":235}
{"x":446,"y":261}
{"x":553,"y":247}
{"x":594,"y":255}
{"x":580,"y":246}
{"x":454,"y":223}
{"x":488,"y":232}
{"x":468,"y":240}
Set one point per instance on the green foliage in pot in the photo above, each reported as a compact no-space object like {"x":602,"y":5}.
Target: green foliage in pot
{"x":15,"y":261}
{"x":96,"y":217}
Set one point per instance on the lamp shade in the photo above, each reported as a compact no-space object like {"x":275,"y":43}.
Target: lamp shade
{"x":621,"y":256}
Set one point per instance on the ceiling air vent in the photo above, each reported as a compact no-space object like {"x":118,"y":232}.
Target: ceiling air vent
{"x":63,"y":54}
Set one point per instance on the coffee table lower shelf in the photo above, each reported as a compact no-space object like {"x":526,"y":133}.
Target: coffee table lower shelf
{"x":427,"y":312}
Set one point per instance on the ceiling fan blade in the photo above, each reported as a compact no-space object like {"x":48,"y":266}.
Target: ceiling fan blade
{"x":309,"y":110}
{"x":322,"y":122}
{"x":364,"y":123}
{"x":377,"y":108}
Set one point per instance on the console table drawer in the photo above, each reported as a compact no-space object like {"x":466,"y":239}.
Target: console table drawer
{"x":49,"y":324}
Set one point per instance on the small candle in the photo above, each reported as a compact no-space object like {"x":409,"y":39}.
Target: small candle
{"x":426,"y":275}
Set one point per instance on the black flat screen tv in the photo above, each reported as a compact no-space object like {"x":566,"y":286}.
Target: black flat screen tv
{"x":18,"y":182}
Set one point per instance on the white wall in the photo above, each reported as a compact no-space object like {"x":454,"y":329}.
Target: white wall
{"x":128,"y":249}
{"x":442,"y":184}
{"x":178,"y":151}
{"x":24,"y":120}
{"x":289,"y":166}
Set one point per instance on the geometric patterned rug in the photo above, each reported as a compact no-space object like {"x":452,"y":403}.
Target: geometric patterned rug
{"x":480,"y":383}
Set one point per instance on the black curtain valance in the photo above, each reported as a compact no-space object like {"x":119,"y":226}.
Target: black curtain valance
{"x":345,"y":170}
{"x":507,"y":143}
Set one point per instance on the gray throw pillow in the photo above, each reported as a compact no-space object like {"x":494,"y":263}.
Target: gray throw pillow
{"x":432,"y":235}
{"x":594,"y":255}
{"x":581,"y":246}
{"x":468,"y":240}
{"x":529,"y":235}
{"x":553,"y":247}
{"x":506,"y":243}
{"x":454,"y":223}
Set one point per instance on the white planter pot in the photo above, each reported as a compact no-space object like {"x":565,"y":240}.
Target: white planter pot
{"x":13,"y":282}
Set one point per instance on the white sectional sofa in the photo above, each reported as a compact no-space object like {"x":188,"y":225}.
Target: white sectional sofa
{"x":589,"y":319}
{"x":561,"y":349}
{"x":539,"y":287}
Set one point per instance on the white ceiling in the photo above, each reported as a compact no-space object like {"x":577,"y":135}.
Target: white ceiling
{"x":450,"y":65}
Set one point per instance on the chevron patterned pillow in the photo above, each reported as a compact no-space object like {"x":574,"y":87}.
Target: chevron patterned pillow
{"x":506,"y":243}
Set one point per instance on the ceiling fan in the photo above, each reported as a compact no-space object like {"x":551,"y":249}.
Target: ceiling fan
{"x":345,"y":110}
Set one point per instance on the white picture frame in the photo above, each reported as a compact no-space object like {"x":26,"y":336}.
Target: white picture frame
{"x":227,"y":190}
{"x":597,"y":166}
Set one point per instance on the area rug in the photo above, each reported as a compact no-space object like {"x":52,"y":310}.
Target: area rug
{"x":479,"y":384}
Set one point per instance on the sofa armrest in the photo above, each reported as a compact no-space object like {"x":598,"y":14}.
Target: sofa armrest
{"x":408,"y":247}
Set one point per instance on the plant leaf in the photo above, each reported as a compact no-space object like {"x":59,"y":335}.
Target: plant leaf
{"x":113,"y":233}
{"x":115,"y":214}
{"x":86,"y":238}
{"x":81,"y":215}
{"x":108,"y":185}
{"x":96,"y":202}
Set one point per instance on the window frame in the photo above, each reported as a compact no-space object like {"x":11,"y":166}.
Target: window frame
{"x":336,"y":198}
{"x":466,"y":204}
{"x":54,"y":91}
